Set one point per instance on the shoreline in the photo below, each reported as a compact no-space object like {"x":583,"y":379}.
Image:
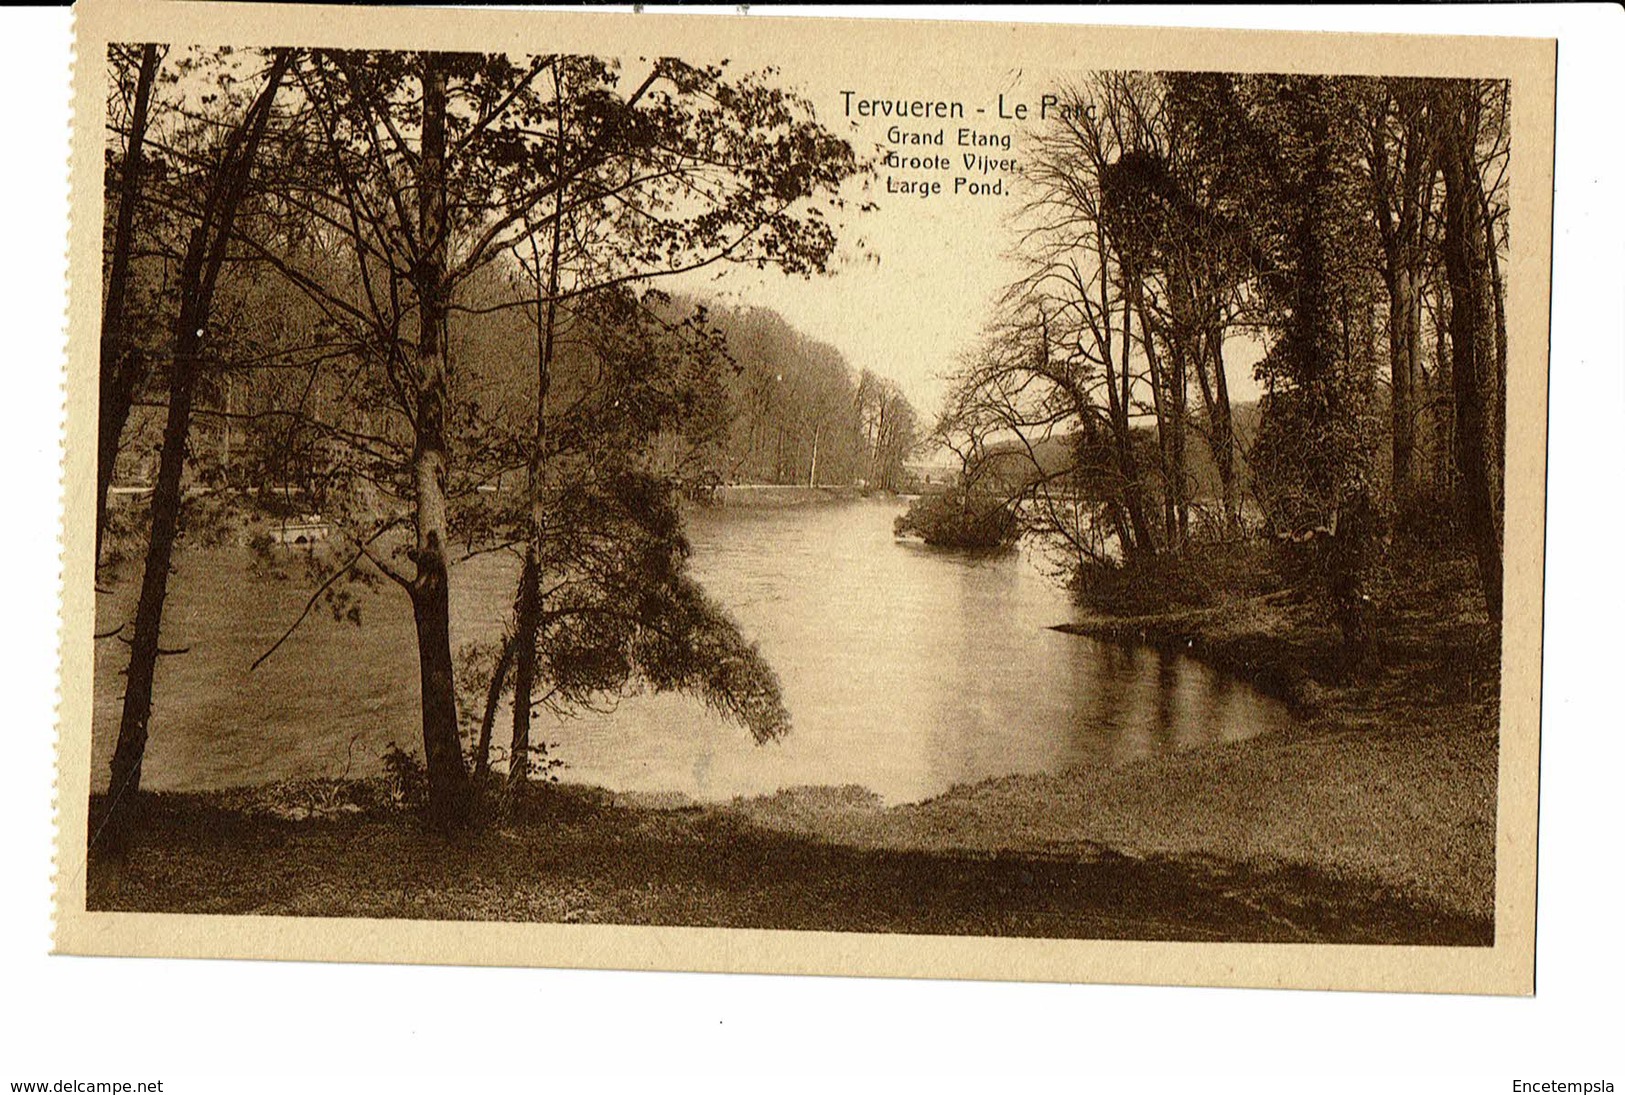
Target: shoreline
{"x":1323,"y":827}
{"x":1350,"y":788}
{"x":776,"y":495}
{"x":1191,"y":633}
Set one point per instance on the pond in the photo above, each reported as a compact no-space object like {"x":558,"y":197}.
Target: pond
{"x":906,"y":670}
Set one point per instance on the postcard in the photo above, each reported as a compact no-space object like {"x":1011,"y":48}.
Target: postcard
{"x":777,"y":494}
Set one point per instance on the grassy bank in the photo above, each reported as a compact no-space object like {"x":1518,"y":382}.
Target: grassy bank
{"x":574,"y":855}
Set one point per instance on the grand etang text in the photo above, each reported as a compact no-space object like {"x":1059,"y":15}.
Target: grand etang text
{"x":972,"y":158}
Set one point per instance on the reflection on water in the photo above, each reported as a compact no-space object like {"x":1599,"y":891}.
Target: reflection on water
{"x":905,"y":670}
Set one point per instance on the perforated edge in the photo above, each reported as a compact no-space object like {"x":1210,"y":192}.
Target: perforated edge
{"x":64,"y":365}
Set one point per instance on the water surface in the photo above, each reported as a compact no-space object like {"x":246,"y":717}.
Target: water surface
{"x":906,"y":670}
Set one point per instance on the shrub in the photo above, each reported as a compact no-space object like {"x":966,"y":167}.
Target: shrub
{"x":406,"y":777}
{"x":1204,"y":577}
{"x":958,"y":519}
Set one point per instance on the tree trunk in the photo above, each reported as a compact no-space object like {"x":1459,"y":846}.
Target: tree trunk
{"x":1400,"y":201}
{"x":1221,"y":433}
{"x":528,"y":628}
{"x":1127,"y":465}
{"x":442,"y":744}
{"x":1441,"y":411}
{"x":121,"y":367}
{"x":1403,"y":318}
{"x":493,"y":697}
{"x":200,"y":269}
{"x":1182,"y":503}
{"x":1498,"y":391}
{"x":1175,"y":396}
{"x":1223,"y":428}
{"x":1159,"y":406}
{"x":1471,"y":334}
{"x":125,"y":783}
{"x":524,"y":671}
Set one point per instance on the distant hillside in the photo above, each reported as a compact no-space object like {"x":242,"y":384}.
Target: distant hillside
{"x":1056,"y":452}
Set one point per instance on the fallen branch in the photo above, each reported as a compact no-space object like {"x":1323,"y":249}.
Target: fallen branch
{"x":310,"y":604}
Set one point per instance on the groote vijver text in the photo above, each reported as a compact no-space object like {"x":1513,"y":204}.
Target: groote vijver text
{"x":926,"y":161}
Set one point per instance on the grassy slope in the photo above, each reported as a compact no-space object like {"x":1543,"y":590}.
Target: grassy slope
{"x":575,"y":856}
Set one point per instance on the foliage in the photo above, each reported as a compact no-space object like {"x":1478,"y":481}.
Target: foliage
{"x":959,"y":518}
{"x":403,"y":220}
{"x":620,"y":611}
{"x":794,"y":414}
{"x":405,"y":777}
{"x":1170,"y":214}
{"x":1208,"y":576}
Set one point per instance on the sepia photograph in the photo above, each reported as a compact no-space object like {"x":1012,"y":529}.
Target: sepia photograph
{"x":864,"y":491}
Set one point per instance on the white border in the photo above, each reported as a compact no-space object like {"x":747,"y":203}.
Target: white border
{"x":104,"y":1019}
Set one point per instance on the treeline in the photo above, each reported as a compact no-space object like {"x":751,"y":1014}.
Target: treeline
{"x":781,"y":408}
{"x":799,"y":413}
{"x":1355,"y":227}
{"x":419,"y":291}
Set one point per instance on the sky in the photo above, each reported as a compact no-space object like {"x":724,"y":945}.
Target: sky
{"x":915,"y":280}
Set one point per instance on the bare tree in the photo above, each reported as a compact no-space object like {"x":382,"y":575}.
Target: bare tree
{"x":121,"y":364}
{"x":1402,"y":172}
{"x":1476,"y":360}
{"x":205,"y":255}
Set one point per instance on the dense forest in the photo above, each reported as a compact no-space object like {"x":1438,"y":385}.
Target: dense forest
{"x":781,"y":409}
{"x":417,"y":296}
{"x":802,"y":415}
{"x":1354,"y":229}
